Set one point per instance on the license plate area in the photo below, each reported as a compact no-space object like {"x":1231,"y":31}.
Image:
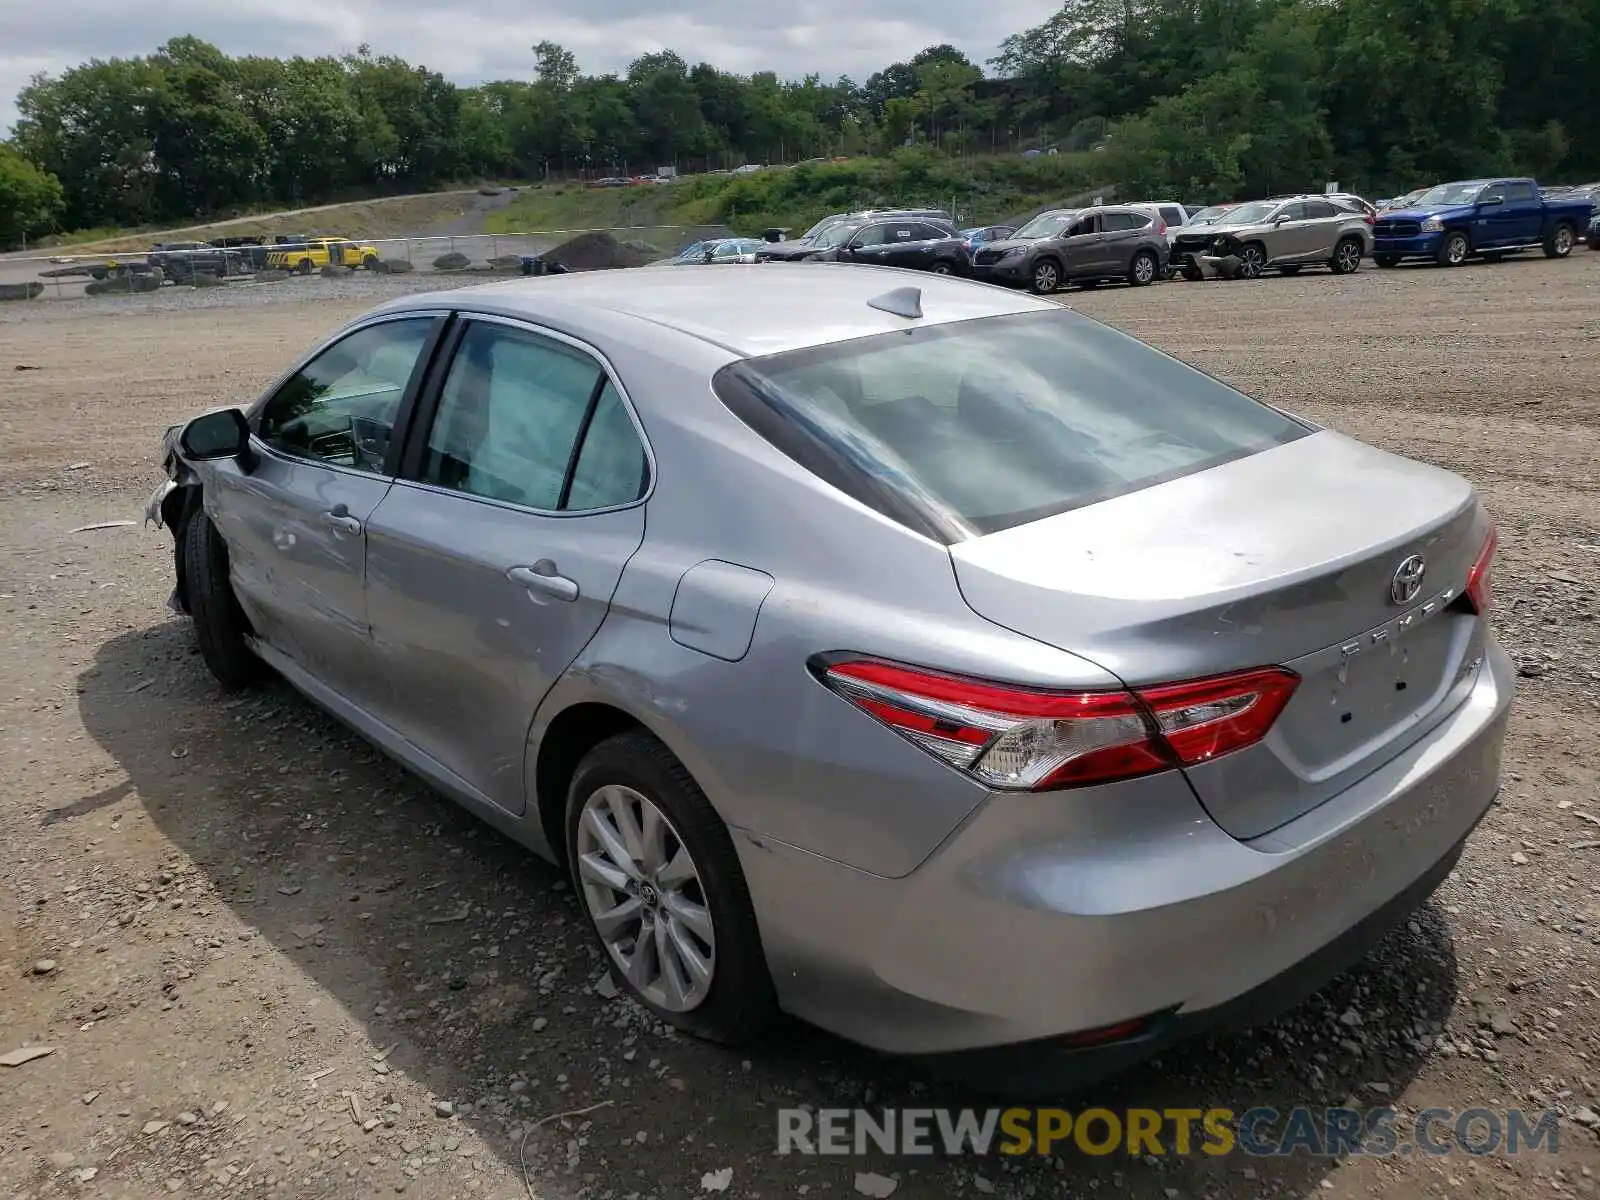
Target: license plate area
{"x":1357,"y":696}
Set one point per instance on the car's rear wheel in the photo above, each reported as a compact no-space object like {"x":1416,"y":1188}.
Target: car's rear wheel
{"x":1454,"y":249}
{"x":940,"y":268}
{"x":1346,"y":256}
{"x":1046,"y":277}
{"x":220,"y":625}
{"x":1252,"y":261}
{"x":659,"y":879}
{"x":1144,"y":268}
{"x":1560,"y":242}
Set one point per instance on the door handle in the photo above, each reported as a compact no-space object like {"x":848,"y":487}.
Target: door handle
{"x":338,"y":518}
{"x":543,"y":577}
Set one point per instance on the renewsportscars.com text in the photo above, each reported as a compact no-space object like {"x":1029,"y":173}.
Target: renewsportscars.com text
{"x":1258,"y":1132}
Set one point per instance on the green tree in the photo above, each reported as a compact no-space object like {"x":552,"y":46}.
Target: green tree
{"x":31,"y":200}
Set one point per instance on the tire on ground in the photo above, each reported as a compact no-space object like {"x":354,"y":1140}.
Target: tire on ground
{"x":219,"y":623}
{"x":1558,"y":243}
{"x":740,"y":1002}
{"x":1453,"y":249}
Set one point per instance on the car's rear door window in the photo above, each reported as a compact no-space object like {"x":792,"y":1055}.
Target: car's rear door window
{"x":509,"y":416}
{"x":964,"y":429}
{"x":534,"y":421}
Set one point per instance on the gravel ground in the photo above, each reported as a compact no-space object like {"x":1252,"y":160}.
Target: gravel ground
{"x":270,"y":963}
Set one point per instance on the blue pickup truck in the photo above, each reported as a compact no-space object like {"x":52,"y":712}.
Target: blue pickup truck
{"x":1487,"y":218}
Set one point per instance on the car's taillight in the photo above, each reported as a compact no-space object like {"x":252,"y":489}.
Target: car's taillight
{"x":1161,"y":227}
{"x":1479,"y":588}
{"x":1029,"y":739}
{"x":1368,"y":218}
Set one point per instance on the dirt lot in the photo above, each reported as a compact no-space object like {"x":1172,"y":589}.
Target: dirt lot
{"x":271,"y":964}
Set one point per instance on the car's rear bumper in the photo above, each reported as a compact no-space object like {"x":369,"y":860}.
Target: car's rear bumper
{"x":1040,"y":917}
{"x":1422,"y":245}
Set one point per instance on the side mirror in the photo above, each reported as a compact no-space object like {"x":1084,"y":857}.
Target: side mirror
{"x":1280,"y":218}
{"x":217,"y":435}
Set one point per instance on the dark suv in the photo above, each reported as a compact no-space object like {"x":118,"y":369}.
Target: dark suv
{"x":824,"y":238}
{"x":1082,"y":246}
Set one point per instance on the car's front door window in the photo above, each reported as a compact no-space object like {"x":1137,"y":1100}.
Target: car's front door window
{"x":340,"y":408}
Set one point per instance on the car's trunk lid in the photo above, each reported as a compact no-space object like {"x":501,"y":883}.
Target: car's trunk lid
{"x":1286,"y":557}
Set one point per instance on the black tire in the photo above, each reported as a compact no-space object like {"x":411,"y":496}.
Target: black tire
{"x":1144,"y":268}
{"x":303,"y":266}
{"x":1291,"y":269}
{"x":1454,"y":249}
{"x":1192,"y":272}
{"x":1045,"y":277}
{"x":370,"y":262}
{"x":219,"y":623}
{"x":1560,"y":241}
{"x":942,"y":267}
{"x":1594,"y":241}
{"x":740,"y":1003}
{"x":1346,"y":258}
{"x":1252,"y":261}
{"x":1386,"y":260}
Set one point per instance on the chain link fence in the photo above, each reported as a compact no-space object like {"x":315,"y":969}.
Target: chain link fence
{"x":71,"y":275}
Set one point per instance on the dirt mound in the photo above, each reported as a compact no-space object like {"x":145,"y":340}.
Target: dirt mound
{"x":334,"y":270}
{"x":21,"y":291}
{"x":454,"y":261}
{"x":597,"y":252}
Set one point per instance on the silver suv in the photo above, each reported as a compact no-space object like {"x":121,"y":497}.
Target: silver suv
{"x":1290,"y":233}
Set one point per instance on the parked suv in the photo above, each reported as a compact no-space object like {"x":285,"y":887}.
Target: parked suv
{"x":1082,"y":246}
{"x":1290,"y":233}
{"x":824,"y":245}
{"x":926,"y":245}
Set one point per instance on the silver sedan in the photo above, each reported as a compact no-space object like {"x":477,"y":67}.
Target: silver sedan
{"x":921,"y":658}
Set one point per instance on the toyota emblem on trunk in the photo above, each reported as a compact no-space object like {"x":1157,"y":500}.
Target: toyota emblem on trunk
{"x":1407,"y":581}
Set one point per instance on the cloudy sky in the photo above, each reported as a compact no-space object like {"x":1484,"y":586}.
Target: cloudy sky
{"x":490,"y":39}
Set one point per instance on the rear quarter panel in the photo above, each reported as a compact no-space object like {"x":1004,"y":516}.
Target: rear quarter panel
{"x":776,"y":753}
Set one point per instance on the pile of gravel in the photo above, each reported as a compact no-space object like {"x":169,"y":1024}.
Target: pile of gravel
{"x":597,"y":252}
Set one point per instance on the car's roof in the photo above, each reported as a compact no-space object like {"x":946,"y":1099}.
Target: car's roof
{"x":780,"y":307}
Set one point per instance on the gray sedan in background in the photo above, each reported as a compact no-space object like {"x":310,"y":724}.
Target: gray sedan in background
{"x":921,"y":658}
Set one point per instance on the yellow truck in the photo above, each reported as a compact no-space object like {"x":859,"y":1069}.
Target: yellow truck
{"x":312,"y":253}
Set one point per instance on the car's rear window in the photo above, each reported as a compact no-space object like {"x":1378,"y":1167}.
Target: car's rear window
{"x":963,"y":429}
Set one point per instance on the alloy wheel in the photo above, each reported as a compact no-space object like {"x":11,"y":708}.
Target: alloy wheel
{"x":1045,"y":278}
{"x":1251,"y":262}
{"x":1563,"y":240}
{"x":1456,"y":249}
{"x":643,"y":892}
{"x":1349,"y":257}
{"x":1144,"y":268}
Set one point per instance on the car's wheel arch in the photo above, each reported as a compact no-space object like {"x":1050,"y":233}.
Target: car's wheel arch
{"x":177,"y":507}
{"x":575,"y":717}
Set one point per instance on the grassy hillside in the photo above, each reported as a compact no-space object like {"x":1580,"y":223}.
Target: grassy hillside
{"x":376,"y":218}
{"x":982,"y":191}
